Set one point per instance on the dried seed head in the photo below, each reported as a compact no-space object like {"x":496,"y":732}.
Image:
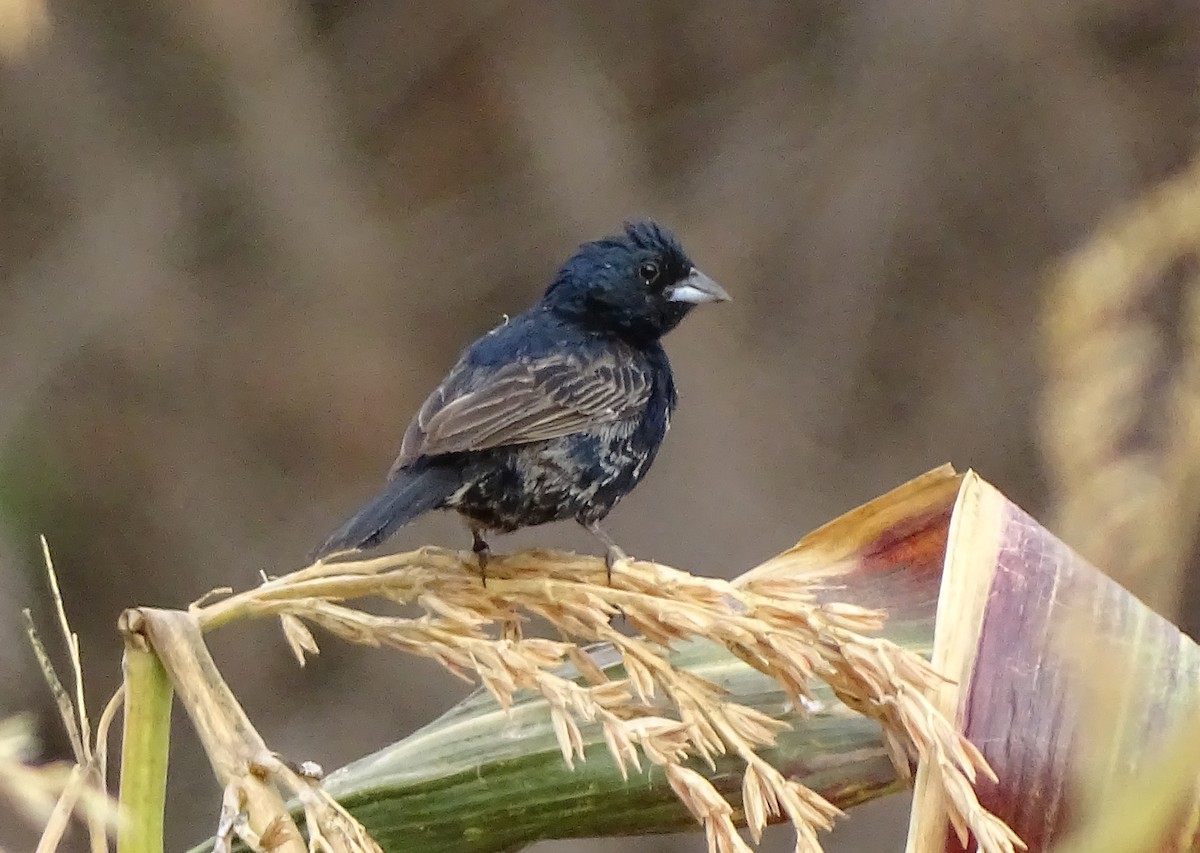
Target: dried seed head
{"x":770,"y":619}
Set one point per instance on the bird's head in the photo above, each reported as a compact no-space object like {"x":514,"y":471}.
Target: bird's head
{"x":638,"y":284}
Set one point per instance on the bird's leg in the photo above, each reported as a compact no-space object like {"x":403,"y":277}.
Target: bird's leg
{"x":483,"y":552}
{"x":511,"y":627}
{"x":613,"y":552}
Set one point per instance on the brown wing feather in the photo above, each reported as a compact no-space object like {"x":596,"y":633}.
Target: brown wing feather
{"x":523,"y":402}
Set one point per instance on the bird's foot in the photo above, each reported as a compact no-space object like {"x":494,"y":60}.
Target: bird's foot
{"x":613,"y":553}
{"x":612,"y":556}
{"x":483,"y":553}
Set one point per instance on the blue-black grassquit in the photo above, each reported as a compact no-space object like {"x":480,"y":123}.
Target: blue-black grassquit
{"x":556,"y":413}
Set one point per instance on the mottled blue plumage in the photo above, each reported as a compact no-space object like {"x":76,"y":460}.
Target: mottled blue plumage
{"x":582,"y":475}
{"x":555,"y":414}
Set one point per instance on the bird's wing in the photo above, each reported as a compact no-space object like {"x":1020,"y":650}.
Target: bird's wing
{"x":531,"y":399}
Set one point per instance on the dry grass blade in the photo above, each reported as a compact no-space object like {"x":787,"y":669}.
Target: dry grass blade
{"x":62,"y":699}
{"x":56,"y":824}
{"x":72,"y":641}
{"x":33,"y":790}
{"x":664,"y":714}
{"x":55,"y":793}
{"x":51,"y":794}
{"x":299,"y":639}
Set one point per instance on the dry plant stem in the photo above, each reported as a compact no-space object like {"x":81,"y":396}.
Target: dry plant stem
{"x":100,"y":751}
{"x":1128,"y":496}
{"x":144,"y":749}
{"x":60,"y":818}
{"x":31,"y":791}
{"x":62,"y":699}
{"x":72,"y":640}
{"x":84,"y":791}
{"x":229,"y":738}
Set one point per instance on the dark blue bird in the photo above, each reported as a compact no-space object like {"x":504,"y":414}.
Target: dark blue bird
{"x":555,"y":414}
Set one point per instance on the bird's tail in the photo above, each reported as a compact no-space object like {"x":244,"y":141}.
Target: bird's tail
{"x":408,"y":494}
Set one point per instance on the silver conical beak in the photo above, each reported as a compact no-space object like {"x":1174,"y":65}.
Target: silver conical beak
{"x":697,"y":288}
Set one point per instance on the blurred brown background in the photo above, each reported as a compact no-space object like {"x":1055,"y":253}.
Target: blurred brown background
{"x":239,"y":241}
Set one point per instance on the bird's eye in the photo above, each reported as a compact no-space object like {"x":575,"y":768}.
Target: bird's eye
{"x":649,"y":271}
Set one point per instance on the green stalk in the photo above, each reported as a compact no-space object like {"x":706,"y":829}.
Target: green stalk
{"x":479,"y":780}
{"x":144,"y":747}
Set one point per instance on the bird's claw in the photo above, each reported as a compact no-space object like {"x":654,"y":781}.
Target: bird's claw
{"x":612,"y":556}
{"x":483,"y":553}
